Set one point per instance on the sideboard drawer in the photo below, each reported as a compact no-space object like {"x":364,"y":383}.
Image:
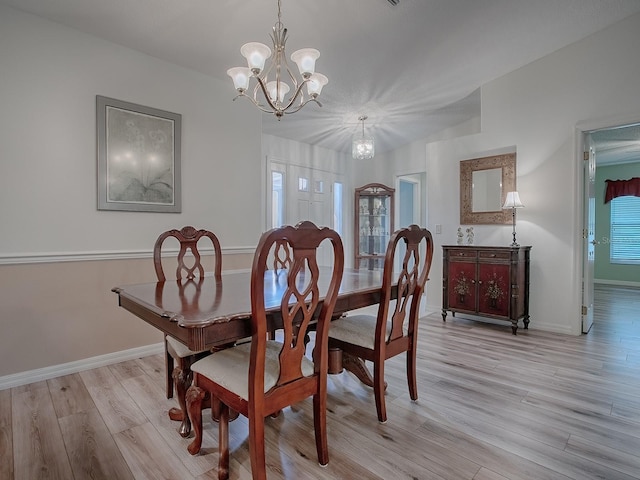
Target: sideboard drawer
{"x":463,"y":254}
{"x":496,"y":255}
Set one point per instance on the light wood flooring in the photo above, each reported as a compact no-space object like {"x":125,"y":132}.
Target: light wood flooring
{"x":491,"y":407}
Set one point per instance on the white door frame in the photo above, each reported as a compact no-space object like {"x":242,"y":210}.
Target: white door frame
{"x":579,"y":253}
{"x":420,"y":210}
{"x":419,"y":178}
{"x":588,"y":231}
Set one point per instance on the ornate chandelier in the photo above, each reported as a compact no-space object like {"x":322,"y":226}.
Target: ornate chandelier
{"x":363,"y":147}
{"x":270,"y":95}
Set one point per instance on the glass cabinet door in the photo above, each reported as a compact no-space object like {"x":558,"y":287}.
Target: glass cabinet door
{"x":373,"y":224}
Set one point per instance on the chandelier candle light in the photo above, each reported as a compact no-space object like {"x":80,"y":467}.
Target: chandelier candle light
{"x":513,"y":201}
{"x":274,"y":91}
{"x":363,"y":147}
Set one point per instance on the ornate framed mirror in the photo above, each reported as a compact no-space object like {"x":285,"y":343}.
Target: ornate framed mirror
{"x":484,"y":183}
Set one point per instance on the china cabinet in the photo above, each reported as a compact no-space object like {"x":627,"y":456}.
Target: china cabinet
{"x":489,"y":282}
{"x":373,"y":224}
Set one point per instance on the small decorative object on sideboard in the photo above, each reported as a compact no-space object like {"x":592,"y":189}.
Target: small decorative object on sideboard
{"x":470,"y":236}
{"x":460,"y":236}
{"x":490,"y":282}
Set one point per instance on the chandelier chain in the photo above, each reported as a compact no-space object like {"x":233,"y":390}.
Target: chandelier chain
{"x":279,"y":13}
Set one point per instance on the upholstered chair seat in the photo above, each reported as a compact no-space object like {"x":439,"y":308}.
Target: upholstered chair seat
{"x":230,"y":368}
{"x":357,"y":330}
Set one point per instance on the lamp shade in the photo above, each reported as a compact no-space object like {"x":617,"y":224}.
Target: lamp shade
{"x":315,"y":84}
{"x":363,"y":148}
{"x":256,"y":55}
{"x":240,"y":77}
{"x":277,"y":90}
{"x":512,"y":201}
{"x":305,"y":58}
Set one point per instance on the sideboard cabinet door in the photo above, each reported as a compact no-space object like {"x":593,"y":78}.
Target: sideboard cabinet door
{"x":462,"y":294}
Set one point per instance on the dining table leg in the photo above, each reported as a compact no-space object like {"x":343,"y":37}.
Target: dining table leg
{"x":339,"y":361}
{"x":182,"y":380}
{"x":356,"y":365}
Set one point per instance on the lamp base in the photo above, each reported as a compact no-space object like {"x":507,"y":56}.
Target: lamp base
{"x":513,"y":216}
{"x":514,"y":243}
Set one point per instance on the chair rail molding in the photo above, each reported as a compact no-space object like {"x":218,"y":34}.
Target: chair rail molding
{"x":60,"y":257}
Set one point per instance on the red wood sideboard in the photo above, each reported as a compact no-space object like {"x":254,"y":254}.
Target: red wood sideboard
{"x":490,"y":282}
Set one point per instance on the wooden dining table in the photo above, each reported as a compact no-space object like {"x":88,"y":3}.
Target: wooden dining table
{"x":205,"y":314}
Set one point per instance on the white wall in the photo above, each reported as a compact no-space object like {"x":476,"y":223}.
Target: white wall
{"x":536,"y":110}
{"x":50,"y":77}
{"x":64,"y":313}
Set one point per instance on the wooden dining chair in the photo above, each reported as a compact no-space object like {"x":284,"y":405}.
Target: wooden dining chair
{"x":176,"y":353}
{"x":395,"y":328}
{"x":262,"y":377}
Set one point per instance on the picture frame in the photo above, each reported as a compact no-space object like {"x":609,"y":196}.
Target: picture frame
{"x":138,"y":157}
{"x":504,"y":167}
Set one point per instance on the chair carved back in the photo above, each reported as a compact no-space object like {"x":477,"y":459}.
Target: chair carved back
{"x":188,"y":238}
{"x":281,"y":255}
{"x":414,"y":271}
{"x":309,"y":295}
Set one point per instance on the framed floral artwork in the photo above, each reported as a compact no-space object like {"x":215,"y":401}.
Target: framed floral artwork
{"x":138,"y":157}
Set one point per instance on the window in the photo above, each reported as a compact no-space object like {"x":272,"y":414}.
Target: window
{"x":337,"y":207}
{"x":625,"y":230}
{"x":277,"y":199}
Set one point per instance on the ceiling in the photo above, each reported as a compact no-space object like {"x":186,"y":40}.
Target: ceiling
{"x":414,"y":68}
{"x":617,"y":145}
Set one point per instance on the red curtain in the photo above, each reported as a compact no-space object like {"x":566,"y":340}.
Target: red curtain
{"x":620,"y":188}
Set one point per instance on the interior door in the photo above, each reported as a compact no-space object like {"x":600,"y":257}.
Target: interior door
{"x":310,"y":198}
{"x":588,"y":232}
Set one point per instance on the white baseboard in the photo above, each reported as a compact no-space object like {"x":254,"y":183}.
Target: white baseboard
{"x":31,"y":376}
{"x":534,"y":325}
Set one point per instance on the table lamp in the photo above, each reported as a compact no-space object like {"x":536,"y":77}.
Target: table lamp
{"x":513,"y":201}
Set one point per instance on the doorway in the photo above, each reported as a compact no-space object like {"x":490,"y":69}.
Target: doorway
{"x":600,"y":146}
{"x":411,"y":208}
{"x":410,"y":196}
{"x":296,"y":193}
